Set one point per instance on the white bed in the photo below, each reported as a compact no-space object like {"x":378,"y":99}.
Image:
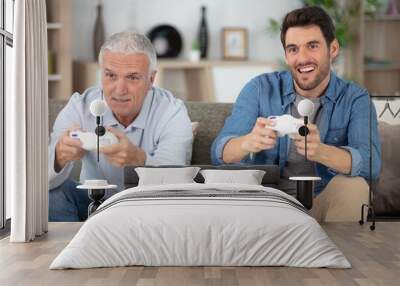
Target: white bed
{"x":201,"y":224}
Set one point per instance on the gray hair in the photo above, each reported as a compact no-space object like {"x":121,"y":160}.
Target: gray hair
{"x":130,"y":43}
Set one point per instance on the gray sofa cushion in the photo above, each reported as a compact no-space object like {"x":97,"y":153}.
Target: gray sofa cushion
{"x":211,"y":117}
{"x":55,"y":106}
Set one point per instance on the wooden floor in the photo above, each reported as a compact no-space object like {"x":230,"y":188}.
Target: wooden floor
{"x":374,"y":255}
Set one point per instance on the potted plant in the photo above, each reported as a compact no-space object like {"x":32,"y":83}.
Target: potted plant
{"x":194,"y":54}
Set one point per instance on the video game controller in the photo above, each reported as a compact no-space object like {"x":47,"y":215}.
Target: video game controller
{"x":89,"y":139}
{"x":286,"y":124}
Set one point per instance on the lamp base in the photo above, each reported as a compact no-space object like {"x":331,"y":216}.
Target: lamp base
{"x":305,"y":189}
{"x":96,"y":192}
{"x":96,"y":196}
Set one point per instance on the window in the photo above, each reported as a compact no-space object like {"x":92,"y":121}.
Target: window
{"x":6,"y":44}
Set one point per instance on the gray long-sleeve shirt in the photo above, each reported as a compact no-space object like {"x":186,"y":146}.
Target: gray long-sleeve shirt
{"x":162,"y":129}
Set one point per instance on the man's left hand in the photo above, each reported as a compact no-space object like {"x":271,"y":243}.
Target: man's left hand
{"x":313,"y":143}
{"x":123,"y":153}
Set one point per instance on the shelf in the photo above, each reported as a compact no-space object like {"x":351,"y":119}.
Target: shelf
{"x":391,"y":95}
{"x":59,"y":25}
{"x":186,"y":64}
{"x":200,"y":81}
{"x":383,"y":18}
{"x":54,"y":26}
{"x":382,"y":67}
{"x":54,"y":77}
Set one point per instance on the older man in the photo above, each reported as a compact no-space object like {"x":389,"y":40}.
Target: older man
{"x":152,"y":126}
{"x":338,"y":143}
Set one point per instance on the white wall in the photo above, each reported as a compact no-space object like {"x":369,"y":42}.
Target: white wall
{"x":141,"y":16}
{"x":237,"y":77}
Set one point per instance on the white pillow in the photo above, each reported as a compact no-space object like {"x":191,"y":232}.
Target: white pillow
{"x":249,"y":177}
{"x":164,"y":176}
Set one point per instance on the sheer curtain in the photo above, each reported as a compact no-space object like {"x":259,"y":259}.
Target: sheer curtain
{"x":27,"y":124}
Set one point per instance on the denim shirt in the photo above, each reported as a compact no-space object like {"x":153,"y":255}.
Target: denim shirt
{"x":344,"y":123}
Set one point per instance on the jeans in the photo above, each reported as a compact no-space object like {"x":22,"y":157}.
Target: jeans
{"x":66,"y":203}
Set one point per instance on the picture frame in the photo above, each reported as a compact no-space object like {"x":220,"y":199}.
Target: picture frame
{"x":234,"y":43}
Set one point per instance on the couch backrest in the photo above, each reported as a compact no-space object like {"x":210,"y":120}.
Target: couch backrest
{"x":55,"y":106}
{"x":211,"y":117}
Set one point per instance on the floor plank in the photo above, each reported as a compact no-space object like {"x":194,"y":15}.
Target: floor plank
{"x":374,"y":255}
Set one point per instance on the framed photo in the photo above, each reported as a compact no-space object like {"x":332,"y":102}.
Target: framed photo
{"x":234,"y":43}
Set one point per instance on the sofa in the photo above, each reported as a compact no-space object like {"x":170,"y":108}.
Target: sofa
{"x":211,"y":116}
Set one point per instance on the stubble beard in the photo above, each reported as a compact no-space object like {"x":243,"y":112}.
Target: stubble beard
{"x":322,"y":74}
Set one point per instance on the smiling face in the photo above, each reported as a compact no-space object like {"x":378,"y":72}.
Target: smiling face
{"x":126,"y":81}
{"x":309,"y":59}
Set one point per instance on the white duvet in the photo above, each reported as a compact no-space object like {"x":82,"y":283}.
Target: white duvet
{"x":226,"y":224}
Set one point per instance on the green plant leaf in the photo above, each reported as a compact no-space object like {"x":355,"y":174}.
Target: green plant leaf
{"x":273,"y":27}
{"x":195,"y":45}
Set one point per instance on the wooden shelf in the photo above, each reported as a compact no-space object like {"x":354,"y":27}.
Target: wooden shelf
{"x":59,"y":43}
{"x":392,"y":95}
{"x":186,"y":64}
{"x":382,"y":67}
{"x":381,"y":42}
{"x":54,"y":26}
{"x":201,"y":80}
{"x":198,"y":76}
{"x":54,"y":77}
{"x":382,"y":18}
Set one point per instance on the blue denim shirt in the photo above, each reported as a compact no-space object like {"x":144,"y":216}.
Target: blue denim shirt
{"x":344,"y":123}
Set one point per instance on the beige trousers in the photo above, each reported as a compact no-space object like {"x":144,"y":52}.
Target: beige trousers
{"x":341,"y":200}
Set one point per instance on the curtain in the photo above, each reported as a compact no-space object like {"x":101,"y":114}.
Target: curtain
{"x":27,"y":124}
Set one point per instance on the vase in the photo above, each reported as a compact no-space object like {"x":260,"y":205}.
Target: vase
{"x":203,"y":34}
{"x":98,"y":34}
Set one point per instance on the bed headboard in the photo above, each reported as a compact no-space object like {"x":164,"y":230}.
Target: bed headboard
{"x":270,"y":179}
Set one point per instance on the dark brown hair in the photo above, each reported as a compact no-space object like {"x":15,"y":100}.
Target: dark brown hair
{"x":306,"y":16}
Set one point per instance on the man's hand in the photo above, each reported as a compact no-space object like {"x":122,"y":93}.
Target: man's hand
{"x":313,"y":143}
{"x":332,"y":157}
{"x":124,"y":152}
{"x":67,"y":149}
{"x":260,"y":138}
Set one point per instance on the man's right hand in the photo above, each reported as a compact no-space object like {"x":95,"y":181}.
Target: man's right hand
{"x":67,"y":149}
{"x":260,"y":138}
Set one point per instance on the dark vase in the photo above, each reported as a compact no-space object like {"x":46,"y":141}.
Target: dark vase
{"x":203,"y":34}
{"x":98,"y":34}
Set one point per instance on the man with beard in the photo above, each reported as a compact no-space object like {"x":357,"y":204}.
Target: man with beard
{"x":338,"y":142}
{"x":151,"y":125}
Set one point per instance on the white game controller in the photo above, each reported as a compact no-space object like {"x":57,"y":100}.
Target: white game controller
{"x":286,"y":124}
{"x":89,"y":139}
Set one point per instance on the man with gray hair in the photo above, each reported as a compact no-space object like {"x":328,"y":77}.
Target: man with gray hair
{"x":151,"y":125}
